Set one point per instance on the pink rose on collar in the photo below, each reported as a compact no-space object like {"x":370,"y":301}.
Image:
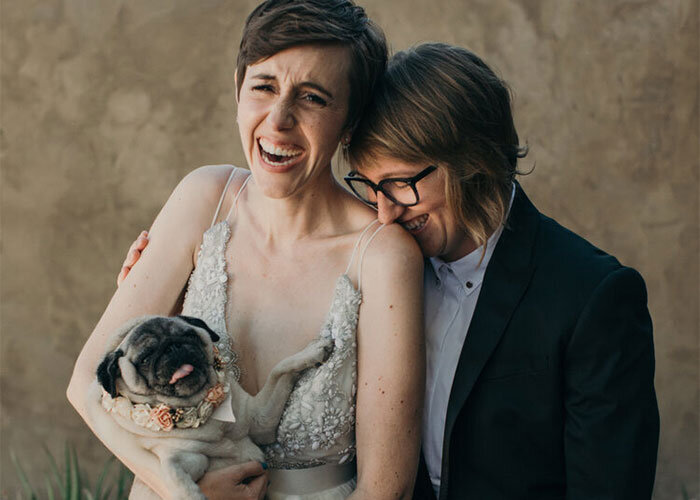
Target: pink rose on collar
{"x":160,"y":415}
{"x":216,"y":394}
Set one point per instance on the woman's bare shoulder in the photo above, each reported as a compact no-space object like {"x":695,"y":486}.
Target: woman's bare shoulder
{"x":201,"y":189}
{"x":393,"y":248}
{"x":209,"y":181}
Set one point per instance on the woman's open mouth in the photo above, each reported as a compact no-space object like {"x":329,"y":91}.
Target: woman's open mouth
{"x":416,"y":224}
{"x":278,"y":156}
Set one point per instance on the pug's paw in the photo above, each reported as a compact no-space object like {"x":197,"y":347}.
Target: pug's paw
{"x":316,"y":352}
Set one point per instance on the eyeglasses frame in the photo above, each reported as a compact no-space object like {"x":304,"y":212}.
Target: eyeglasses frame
{"x":411,"y":181}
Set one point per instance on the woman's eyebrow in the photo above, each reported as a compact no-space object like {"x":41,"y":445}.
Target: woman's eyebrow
{"x":318,"y":88}
{"x":263,"y":76}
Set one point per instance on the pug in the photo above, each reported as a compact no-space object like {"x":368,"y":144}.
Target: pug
{"x":161,"y":380}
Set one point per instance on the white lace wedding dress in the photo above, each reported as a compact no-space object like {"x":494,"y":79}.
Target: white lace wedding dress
{"x":313,"y":457}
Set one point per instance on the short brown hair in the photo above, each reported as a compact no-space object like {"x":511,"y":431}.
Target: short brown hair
{"x":440,"y":104}
{"x":276,"y":25}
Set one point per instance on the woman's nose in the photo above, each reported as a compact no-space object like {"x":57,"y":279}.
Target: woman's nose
{"x":387,"y":210}
{"x":281,"y":116}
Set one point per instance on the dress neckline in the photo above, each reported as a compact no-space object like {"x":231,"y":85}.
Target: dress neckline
{"x":342,"y":280}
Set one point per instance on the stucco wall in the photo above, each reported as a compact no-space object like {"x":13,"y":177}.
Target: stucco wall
{"x":107,"y":104}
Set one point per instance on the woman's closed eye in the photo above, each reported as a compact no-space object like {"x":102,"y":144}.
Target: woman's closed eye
{"x":314,"y":98}
{"x":263,"y":88}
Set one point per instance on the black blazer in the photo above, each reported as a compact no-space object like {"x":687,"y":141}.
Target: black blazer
{"x":553,"y":396}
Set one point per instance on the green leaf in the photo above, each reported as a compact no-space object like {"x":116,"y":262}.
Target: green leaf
{"x":49,"y":489}
{"x":22,"y":476}
{"x":76,"y":486}
{"x":66,"y":483}
{"x":54,"y":469}
{"x":122,"y":491}
{"x":106,"y":493}
{"x":101,"y":478}
{"x":684,"y":492}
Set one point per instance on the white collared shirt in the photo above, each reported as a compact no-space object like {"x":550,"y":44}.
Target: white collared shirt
{"x":451,"y":292}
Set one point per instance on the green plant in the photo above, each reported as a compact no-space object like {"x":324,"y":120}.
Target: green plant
{"x":69,"y":484}
{"x":684,"y":492}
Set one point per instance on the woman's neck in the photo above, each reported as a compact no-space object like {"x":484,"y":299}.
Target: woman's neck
{"x":314,"y":211}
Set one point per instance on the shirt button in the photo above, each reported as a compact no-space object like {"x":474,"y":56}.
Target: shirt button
{"x":469,"y":284}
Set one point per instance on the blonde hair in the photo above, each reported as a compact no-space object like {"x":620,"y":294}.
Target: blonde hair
{"x":440,"y":104}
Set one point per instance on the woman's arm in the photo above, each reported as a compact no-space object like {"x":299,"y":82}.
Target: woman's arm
{"x":391,"y":367}
{"x":152,"y":287}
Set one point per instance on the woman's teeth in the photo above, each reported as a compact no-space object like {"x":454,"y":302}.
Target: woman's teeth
{"x":416,"y":223}
{"x":277,"y":155}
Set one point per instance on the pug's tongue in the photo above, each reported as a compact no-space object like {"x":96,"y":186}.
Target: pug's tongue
{"x":181,"y":372}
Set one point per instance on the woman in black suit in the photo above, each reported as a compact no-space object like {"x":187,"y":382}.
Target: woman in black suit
{"x":540,"y":381}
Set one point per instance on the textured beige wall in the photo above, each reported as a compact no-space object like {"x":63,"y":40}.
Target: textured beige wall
{"x":106,"y":104}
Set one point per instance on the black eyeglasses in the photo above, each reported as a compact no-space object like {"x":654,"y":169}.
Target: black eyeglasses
{"x":401,"y":191}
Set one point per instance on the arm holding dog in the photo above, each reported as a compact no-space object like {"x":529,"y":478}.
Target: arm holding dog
{"x":400,"y":389}
{"x":153,"y":287}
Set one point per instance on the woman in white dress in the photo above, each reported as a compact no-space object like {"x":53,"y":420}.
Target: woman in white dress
{"x":284,"y":255}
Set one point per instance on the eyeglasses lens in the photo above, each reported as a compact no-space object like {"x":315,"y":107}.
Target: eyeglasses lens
{"x":401,"y":192}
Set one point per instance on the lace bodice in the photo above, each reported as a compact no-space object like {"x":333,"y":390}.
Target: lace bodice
{"x":206,"y":292}
{"x":318,"y":423}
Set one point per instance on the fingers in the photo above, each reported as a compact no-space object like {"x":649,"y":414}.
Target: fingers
{"x":248,"y":469}
{"x":132,"y":256}
{"x":142,"y":240}
{"x":258,"y":486}
{"x":140,"y":243}
{"x":135,"y":249}
{"x":122,"y":275}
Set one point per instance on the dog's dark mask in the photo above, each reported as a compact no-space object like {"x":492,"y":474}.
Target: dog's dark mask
{"x":108,"y":372}
{"x":201,"y":324}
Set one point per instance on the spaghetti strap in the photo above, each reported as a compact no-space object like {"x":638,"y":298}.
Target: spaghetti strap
{"x":362,"y":256}
{"x":357,"y":244}
{"x":223,"y":194}
{"x":238,"y":194}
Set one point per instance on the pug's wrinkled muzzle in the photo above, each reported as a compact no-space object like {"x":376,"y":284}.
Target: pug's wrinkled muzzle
{"x":181,"y":368}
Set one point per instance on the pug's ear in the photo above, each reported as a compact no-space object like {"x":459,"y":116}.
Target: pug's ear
{"x":108,"y":372}
{"x":201,"y":324}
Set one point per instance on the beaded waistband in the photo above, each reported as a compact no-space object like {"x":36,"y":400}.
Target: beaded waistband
{"x":311,"y":480}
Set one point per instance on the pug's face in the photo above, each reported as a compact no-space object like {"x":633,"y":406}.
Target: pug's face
{"x":163,"y":360}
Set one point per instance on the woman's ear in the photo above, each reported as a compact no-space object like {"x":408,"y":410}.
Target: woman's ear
{"x":235,"y":85}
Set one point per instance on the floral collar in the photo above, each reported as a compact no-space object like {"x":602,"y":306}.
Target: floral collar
{"x":166,"y":418}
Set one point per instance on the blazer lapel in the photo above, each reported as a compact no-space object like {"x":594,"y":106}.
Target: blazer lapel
{"x":506,"y":279}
